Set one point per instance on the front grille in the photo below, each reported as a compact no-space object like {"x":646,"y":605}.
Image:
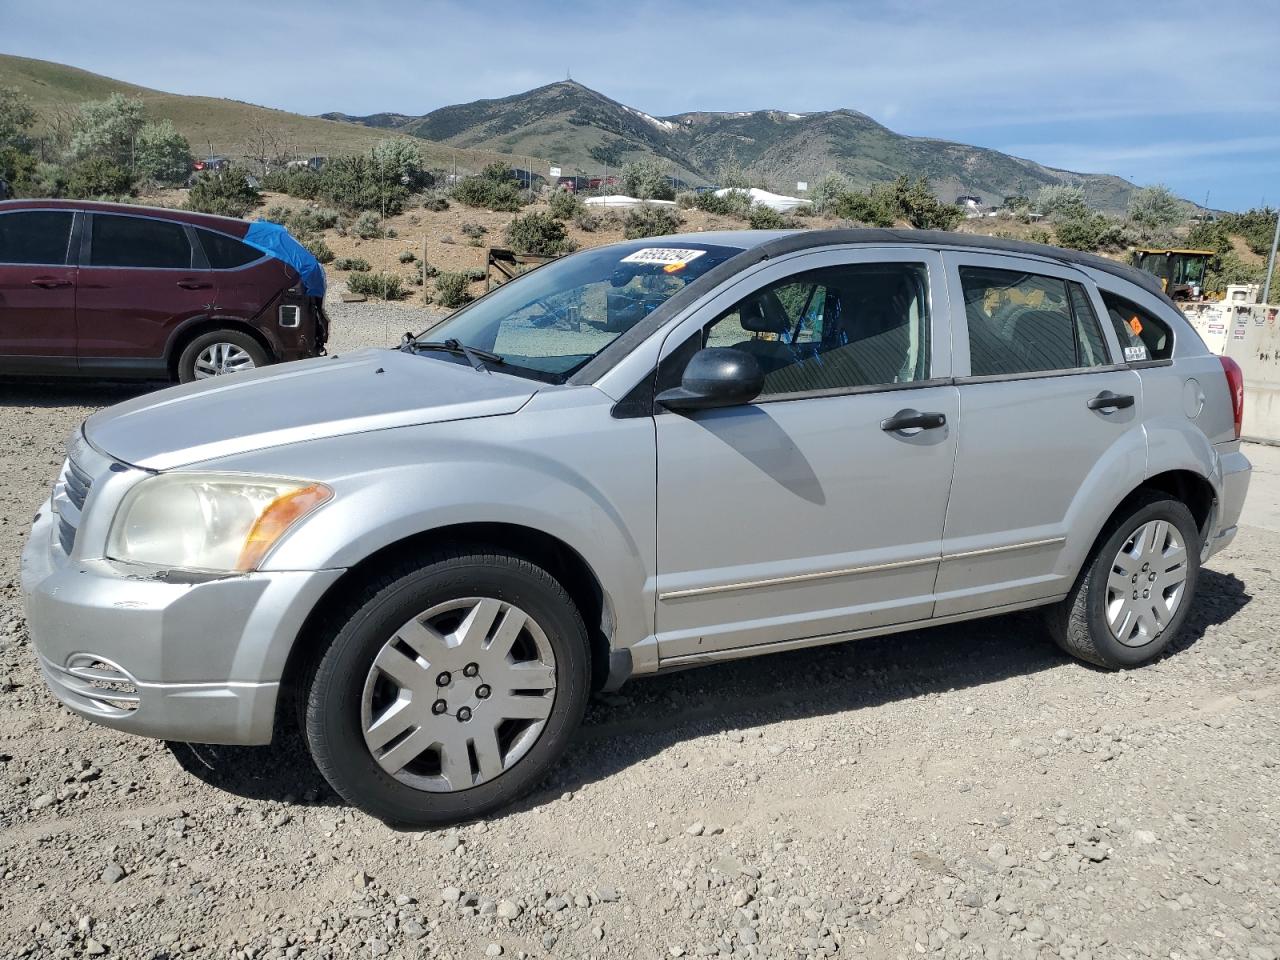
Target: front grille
{"x":69,"y":496}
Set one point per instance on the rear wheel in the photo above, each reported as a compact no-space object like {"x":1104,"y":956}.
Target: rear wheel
{"x":220,"y":352}
{"x":1132,"y":598}
{"x":449,"y":690}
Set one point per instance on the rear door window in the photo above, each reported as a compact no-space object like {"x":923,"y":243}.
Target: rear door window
{"x":121,"y":241}
{"x":35,"y":236}
{"x":1028,"y":323}
{"x":226,"y":253}
{"x":1142,"y":336}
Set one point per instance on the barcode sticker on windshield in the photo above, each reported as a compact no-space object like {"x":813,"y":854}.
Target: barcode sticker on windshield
{"x":662,"y":255}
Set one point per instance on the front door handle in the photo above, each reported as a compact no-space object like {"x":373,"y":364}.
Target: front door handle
{"x":1107,"y":400}
{"x":49,"y":283}
{"x":913,"y":420}
{"x":194,"y":284}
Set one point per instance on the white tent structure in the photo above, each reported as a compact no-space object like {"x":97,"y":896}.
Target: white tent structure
{"x":763,"y":198}
{"x":616,"y":200}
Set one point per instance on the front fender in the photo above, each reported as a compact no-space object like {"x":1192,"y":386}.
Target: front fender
{"x":566,"y":483}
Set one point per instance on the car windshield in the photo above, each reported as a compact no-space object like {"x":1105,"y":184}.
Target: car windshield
{"x":554,"y":319}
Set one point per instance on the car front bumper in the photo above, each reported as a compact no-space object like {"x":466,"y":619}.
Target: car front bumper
{"x":175,"y":657}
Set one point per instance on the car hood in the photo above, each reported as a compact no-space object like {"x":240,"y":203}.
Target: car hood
{"x":372,"y":389}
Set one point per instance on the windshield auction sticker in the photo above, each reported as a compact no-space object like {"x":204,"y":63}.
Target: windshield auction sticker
{"x":662,"y":256}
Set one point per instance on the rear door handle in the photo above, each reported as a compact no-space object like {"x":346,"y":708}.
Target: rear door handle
{"x":50,"y":283}
{"x":194,"y":284}
{"x":1107,"y":400}
{"x":913,"y":420}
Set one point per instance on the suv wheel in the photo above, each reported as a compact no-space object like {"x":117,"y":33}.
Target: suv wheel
{"x":217,"y":352}
{"x":1133,"y":596}
{"x":449,"y":689}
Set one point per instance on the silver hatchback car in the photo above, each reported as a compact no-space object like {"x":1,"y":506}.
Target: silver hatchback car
{"x":642,"y":457}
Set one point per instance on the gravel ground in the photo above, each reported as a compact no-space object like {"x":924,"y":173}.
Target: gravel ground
{"x":965,"y":791}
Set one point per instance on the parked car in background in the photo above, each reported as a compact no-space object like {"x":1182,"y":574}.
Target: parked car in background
{"x":796,"y":439}
{"x":114,"y":290}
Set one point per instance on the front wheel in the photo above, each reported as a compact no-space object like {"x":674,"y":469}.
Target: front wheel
{"x":1133,"y":596}
{"x":448,"y":690}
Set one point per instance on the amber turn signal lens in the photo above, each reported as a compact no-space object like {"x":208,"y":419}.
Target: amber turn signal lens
{"x":281,"y":513}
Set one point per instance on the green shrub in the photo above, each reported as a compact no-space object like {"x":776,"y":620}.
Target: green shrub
{"x":735,"y":203}
{"x":586,"y":221}
{"x":1039,"y":235}
{"x":99,"y":177}
{"x":356,"y":264}
{"x":227,"y":192}
{"x":645,"y":180}
{"x":650,"y":220}
{"x":473,"y":231}
{"x":359,"y":183}
{"x":1257,"y":226}
{"x":765,"y":218}
{"x":564,"y":205}
{"x":402,"y":159}
{"x":451,"y":289}
{"x":423,"y":271}
{"x":436,"y":203}
{"x":538,"y":233}
{"x":1090,"y":232}
{"x":307,"y":220}
{"x":873,"y":207}
{"x":493,"y":189}
{"x":407,"y":256}
{"x":384,"y":286}
{"x":917,"y":205}
{"x":368,"y":226}
{"x":319,"y":249}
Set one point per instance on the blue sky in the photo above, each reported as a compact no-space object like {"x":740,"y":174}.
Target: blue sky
{"x":1182,"y":93}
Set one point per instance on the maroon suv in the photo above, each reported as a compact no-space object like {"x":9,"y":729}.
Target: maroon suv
{"x":113,"y":290}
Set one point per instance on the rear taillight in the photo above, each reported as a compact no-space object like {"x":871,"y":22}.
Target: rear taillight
{"x":1235,"y":384}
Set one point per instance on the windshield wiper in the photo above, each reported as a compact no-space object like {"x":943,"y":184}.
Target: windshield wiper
{"x":475,"y":356}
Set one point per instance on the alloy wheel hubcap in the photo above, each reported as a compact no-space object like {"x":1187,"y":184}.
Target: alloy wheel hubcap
{"x":219,"y":358}
{"x":1147,"y":583}
{"x":459,"y":694}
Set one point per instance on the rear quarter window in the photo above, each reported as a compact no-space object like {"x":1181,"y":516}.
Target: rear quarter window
{"x":1142,"y":336}
{"x":224,"y":252}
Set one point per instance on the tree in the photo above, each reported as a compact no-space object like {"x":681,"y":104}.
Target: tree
{"x":17,"y":116}
{"x":917,"y":205}
{"x":1155,"y":209}
{"x":108,"y":129}
{"x":644,"y":180}
{"x":828,"y":191}
{"x":403,"y":158}
{"x":161,"y":154}
{"x":1060,"y":201}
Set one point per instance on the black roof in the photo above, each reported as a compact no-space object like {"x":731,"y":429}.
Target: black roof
{"x":876,"y":236}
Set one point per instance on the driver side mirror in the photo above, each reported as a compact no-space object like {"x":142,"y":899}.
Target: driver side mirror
{"x":715,"y":377}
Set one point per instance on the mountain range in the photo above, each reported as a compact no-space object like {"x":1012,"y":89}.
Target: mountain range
{"x":584,"y":131}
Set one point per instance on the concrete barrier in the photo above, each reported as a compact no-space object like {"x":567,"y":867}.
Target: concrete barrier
{"x":1248,"y":333}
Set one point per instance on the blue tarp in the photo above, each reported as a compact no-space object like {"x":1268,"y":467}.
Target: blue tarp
{"x":276,"y":241}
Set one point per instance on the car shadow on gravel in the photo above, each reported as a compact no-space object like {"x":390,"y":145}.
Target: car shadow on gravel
{"x":71,"y":393}
{"x":653,"y":714}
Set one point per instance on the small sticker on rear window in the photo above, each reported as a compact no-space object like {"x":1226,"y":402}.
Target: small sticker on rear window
{"x":663,"y":256}
{"x":1135,"y":353}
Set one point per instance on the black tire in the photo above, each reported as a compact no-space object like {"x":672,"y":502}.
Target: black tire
{"x":187,"y":359}
{"x":1079,"y":624}
{"x":333,"y":694}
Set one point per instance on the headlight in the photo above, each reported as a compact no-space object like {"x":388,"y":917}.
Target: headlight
{"x":216,"y":522}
